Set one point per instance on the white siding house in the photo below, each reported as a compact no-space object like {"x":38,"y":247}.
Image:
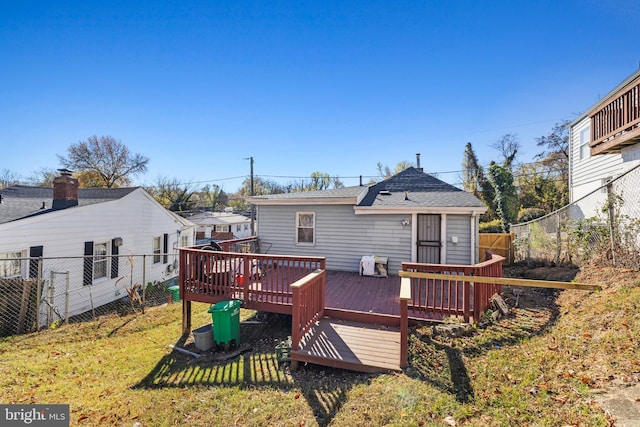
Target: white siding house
{"x":603,"y":145}
{"x":97,"y":223}
{"x":410,"y":217}
{"x":209,"y":223}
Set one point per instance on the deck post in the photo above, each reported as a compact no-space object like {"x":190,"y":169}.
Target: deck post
{"x":405,"y":296}
{"x":247,"y":270}
{"x":466,"y":296}
{"x":186,"y":317}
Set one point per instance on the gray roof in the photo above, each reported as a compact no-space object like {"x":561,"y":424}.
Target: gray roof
{"x":408,"y":189}
{"x":21,"y":201}
{"x":334,"y":193}
{"x":413,"y":188}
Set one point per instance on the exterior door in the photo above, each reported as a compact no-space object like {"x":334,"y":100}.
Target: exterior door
{"x":429,"y":238}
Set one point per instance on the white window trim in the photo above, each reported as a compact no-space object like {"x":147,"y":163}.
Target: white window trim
{"x":15,"y":256}
{"x":585,"y":138}
{"x":104,"y":259}
{"x":313,"y":228}
{"x":157,"y":252}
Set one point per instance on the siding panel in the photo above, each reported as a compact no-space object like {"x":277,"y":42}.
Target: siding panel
{"x":341,"y":236}
{"x":459,"y":226}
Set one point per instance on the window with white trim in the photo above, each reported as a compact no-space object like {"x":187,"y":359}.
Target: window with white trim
{"x":585,"y":138}
{"x":184,"y":241}
{"x":157,"y":245}
{"x":305,"y":228}
{"x":10,"y":264}
{"x":100,"y":260}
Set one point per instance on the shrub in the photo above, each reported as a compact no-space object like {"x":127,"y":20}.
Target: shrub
{"x":494,"y":226}
{"x":529,"y":214}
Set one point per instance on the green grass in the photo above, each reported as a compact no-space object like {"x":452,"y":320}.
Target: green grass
{"x":538,"y":366}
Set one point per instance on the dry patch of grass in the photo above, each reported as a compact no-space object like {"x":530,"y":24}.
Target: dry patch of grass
{"x":539,"y":366}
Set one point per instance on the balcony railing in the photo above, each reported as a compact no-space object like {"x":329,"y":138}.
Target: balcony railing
{"x":617,"y":123}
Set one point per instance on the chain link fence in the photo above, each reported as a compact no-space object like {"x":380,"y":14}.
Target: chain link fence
{"x":601,"y":228}
{"x":46,"y":292}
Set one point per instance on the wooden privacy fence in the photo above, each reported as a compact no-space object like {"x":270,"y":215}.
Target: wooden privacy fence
{"x":18,"y":306}
{"x":451,"y":290}
{"x":499,"y":244}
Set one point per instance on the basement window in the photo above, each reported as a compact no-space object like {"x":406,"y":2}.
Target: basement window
{"x":10,"y":265}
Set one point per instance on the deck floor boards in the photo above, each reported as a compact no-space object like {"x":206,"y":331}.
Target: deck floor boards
{"x":351,"y":345}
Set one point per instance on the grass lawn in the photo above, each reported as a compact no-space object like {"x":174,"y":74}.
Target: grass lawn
{"x":539,"y":366}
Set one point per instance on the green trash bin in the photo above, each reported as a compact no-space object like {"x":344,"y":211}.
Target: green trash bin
{"x":225,"y":316}
{"x":175,"y":293}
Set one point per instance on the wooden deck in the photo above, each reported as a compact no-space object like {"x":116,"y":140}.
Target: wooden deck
{"x":339,"y":319}
{"x":356,"y":346}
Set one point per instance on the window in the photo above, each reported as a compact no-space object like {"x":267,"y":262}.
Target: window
{"x":223,"y":228}
{"x":246,"y":227}
{"x":305,"y":228}
{"x":156,"y":249}
{"x":585,"y":138}
{"x":184,"y":241}
{"x":238,"y":228}
{"x":100,"y":260}
{"x":10,"y":265}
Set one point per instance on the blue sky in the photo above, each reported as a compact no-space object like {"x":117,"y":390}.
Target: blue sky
{"x":334,"y":87}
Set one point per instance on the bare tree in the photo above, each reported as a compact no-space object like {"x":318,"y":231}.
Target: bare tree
{"x":43,"y":177}
{"x":109,"y":158}
{"x":508,"y":147}
{"x":172,"y":194}
{"x":8,"y":178}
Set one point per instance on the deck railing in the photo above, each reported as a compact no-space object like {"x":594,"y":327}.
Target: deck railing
{"x":457,"y":295}
{"x":405,"y":297}
{"x":616,"y":122}
{"x":308,"y":305}
{"x":259,"y":280}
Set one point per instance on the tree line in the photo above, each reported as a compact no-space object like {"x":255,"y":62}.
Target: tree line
{"x":512,"y":192}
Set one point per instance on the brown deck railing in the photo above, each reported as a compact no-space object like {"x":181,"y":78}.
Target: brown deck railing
{"x":308,"y":305}
{"x":457,"y":295}
{"x":261,"y":281}
{"x":616,"y":123}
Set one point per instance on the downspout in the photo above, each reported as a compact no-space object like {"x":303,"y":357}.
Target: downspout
{"x":474,"y":250}
{"x":443,"y":238}
{"x":414,"y":237}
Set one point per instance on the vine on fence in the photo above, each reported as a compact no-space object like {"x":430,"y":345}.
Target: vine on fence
{"x":608,"y":239}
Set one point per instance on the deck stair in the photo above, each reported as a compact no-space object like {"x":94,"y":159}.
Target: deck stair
{"x":363,"y":347}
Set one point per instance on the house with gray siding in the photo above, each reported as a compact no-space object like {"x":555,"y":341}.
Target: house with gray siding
{"x":409,"y":217}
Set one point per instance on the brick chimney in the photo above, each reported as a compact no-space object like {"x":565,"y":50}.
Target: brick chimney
{"x":65,"y":190}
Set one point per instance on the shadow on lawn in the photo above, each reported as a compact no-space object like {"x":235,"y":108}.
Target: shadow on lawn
{"x":324,"y":389}
{"x":440,"y":361}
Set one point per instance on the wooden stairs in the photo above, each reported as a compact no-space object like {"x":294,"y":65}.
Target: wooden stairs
{"x":356,"y":346}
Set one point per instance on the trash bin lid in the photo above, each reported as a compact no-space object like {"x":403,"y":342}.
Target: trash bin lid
{"x":224,"y":306}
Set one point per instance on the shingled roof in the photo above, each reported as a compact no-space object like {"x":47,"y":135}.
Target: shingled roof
{"x":408,"y":189}
{"x":414,"y":188}
{"x":21,"y":201}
